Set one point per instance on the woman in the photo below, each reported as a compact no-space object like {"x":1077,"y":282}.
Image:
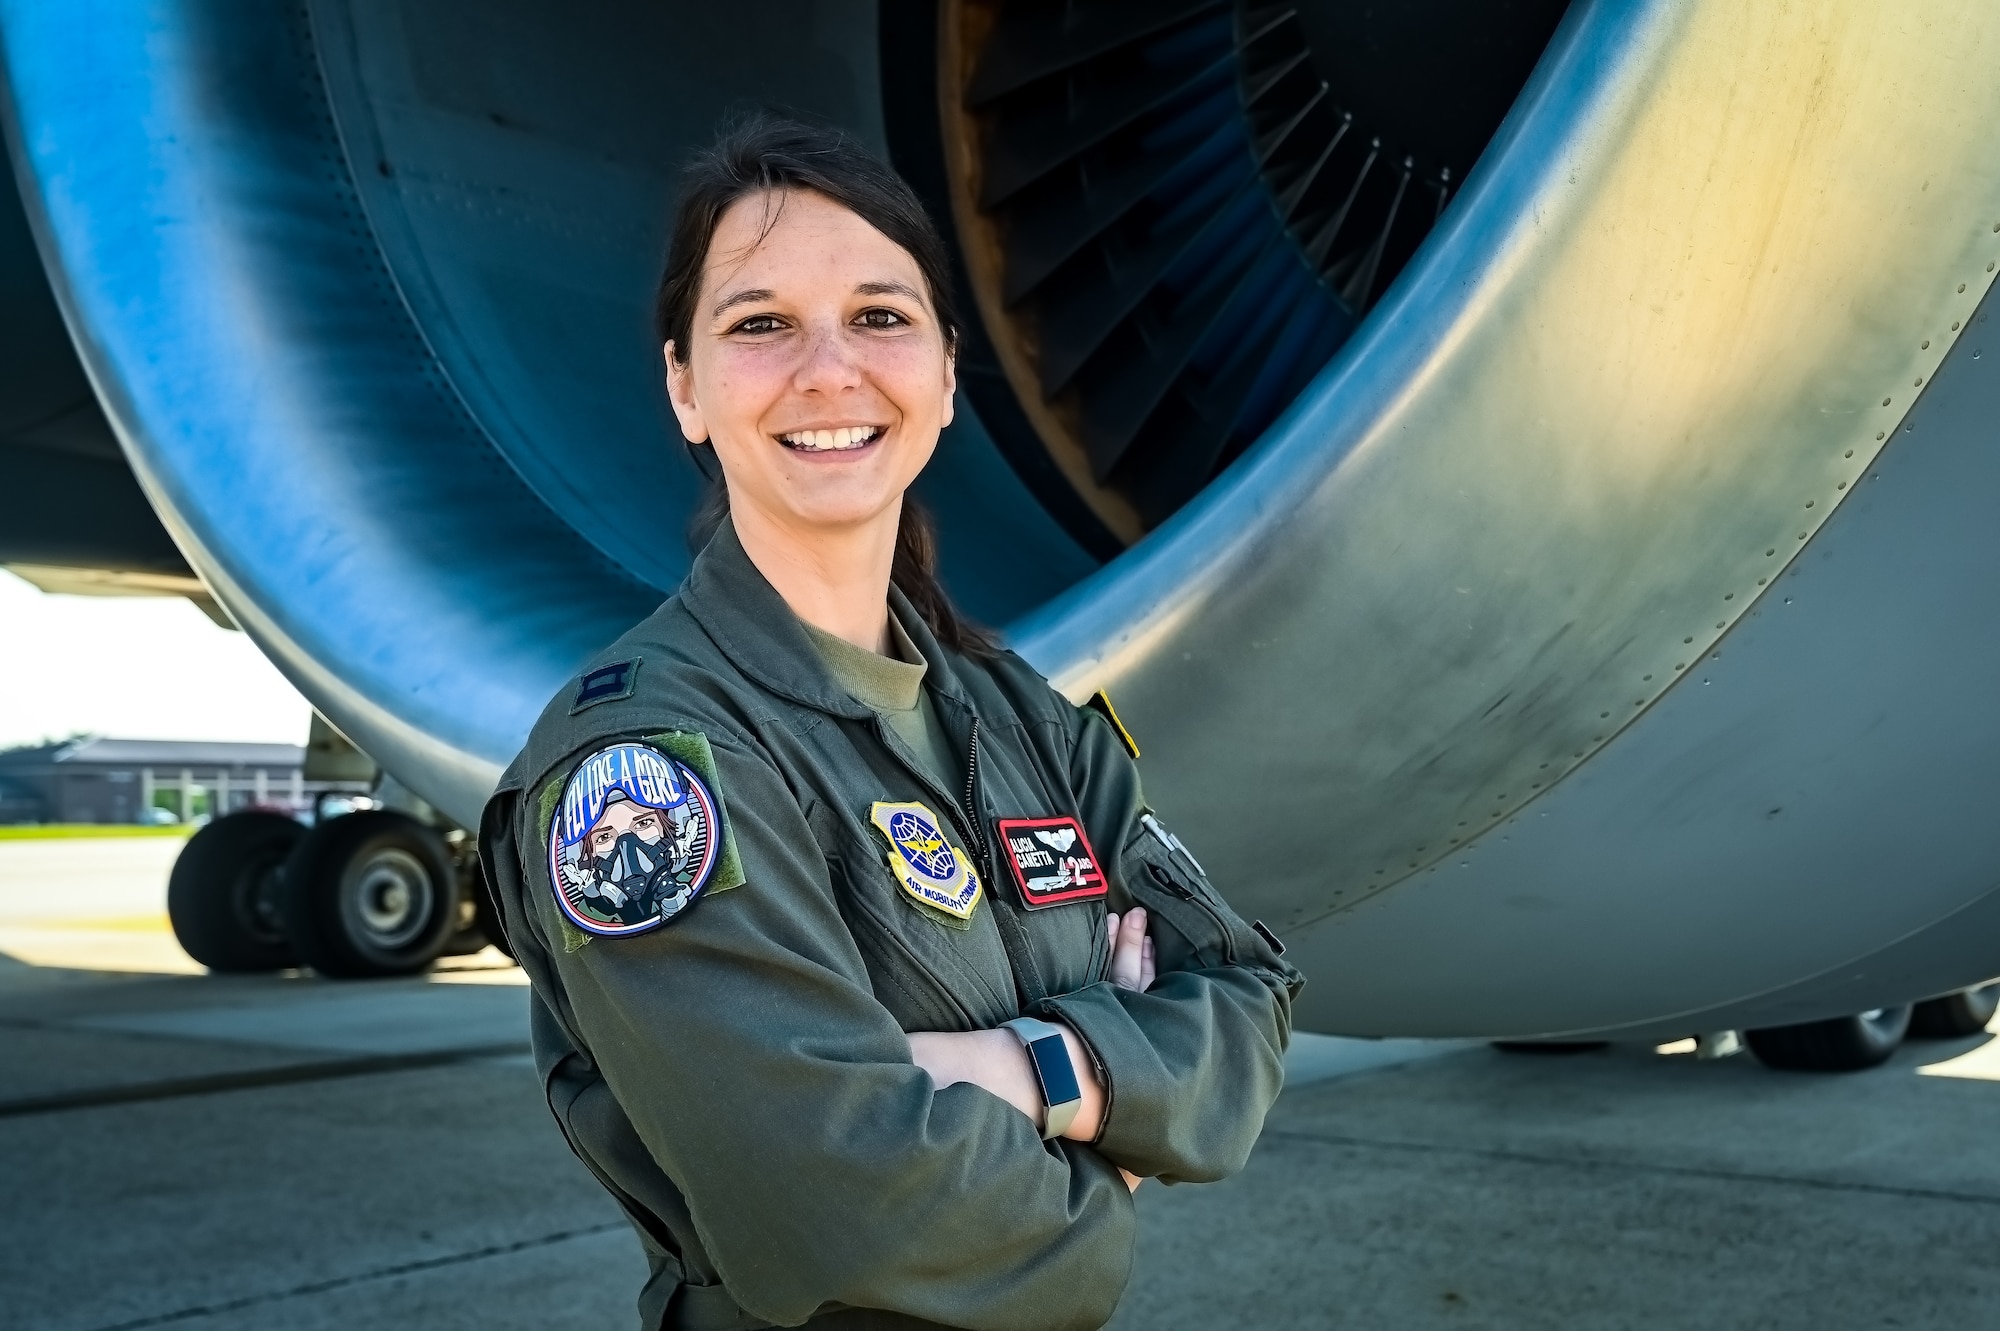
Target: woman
{"x":786,"y":860}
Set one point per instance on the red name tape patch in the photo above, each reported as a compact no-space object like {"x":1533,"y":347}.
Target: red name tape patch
{"x":1052,"y":860}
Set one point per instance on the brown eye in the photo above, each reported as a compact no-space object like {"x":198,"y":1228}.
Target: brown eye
{"x":880,"y":318}
{"x":758,"y":323}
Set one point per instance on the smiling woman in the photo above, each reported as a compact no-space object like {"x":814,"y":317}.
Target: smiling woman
{"x":853,"y":247}
{"x":838,"y":993}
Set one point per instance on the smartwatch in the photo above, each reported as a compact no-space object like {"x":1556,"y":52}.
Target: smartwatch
{"x":1061,"y":1096}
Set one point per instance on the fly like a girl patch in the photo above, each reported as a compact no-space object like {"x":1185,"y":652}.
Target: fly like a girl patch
{"x":635,"y":838}
{"x":1052,"y":861}
{"x":923,"y":862}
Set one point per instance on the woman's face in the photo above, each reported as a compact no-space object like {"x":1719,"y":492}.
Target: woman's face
{"x":815,"y":366}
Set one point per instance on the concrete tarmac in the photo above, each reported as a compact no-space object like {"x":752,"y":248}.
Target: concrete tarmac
{"x":205,"y":1152}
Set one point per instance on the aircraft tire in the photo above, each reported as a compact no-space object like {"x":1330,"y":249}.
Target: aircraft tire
{"x":1963,"y":1013}
{"x":371,"y":893}
{"x":1838,"y":1044}
{"x":225,"y":894}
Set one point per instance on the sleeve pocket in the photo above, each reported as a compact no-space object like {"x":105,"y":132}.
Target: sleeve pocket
{"x":1174,"y":891}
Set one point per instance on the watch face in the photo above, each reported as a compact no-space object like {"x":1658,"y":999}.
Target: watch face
{"x":1052,"y":1065}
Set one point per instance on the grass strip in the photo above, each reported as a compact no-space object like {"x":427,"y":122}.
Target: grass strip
{"x":88,"y":831}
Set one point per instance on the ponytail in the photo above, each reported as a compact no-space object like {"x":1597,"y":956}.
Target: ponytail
{"x":914,"y":572}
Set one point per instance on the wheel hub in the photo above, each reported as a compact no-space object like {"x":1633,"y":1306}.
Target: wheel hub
{"x":260,"y":901}
{"x":392,"y":897}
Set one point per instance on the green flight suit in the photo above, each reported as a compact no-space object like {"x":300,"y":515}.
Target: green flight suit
{"x":738,"y":1077}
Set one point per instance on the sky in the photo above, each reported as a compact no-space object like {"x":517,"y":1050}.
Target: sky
{"x":139,"y":667}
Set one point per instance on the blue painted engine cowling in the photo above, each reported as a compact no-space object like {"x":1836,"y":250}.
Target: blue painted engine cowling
{"x":361,"y":286}
{"x":378,"y":348}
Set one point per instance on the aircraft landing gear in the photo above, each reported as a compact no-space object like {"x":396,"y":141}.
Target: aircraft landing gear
{"x":369,"y":893}
{"x":1963,"y":1013}
{"x":372,"y":893}
{"x":225,"y":896}
{"x":384,"y":890}
{"x":1839,"y":1044}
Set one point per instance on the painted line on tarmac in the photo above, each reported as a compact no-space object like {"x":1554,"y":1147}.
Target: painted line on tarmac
{"x":364,"y":1278}
{"x":1634,"y":1166}
{"x":252,"y":1078}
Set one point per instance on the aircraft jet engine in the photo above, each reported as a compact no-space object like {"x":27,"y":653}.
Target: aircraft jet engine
{"x":1522,"y":471}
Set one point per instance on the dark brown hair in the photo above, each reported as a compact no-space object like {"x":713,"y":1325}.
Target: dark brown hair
{"x":760,"y":153}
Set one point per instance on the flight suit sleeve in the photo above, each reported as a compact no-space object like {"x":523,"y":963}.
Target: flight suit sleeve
{"x":820,"y":1165}
{"x":1192,"y":1065}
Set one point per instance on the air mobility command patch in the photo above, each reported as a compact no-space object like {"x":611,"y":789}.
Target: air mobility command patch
{"x":1052,"y":861}
{"x":637,"y":836}
{"x":923,"y":861}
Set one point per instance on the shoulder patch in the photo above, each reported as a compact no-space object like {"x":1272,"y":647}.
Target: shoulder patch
{"x":1100,"y":702}
{"x":923,"y":862}
{"x":637,"y":834}
{"x":606,"y":684}
{"x":1052,"y":860}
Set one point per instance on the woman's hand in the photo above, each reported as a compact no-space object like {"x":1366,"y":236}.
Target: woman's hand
{"x":1131,"y":950}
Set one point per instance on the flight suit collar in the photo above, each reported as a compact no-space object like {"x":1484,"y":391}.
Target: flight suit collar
{"x":742,"y":612}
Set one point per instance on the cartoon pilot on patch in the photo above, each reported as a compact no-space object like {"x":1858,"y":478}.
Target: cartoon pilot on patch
{"x":633,"y":841}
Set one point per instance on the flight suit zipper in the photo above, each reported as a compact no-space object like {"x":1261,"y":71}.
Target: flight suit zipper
{"x":1027,"y":976}
{"x":891,"y":742}
{"x":967,"y":825}
{"x":1029,"y":990}
{"x":971,"y":800}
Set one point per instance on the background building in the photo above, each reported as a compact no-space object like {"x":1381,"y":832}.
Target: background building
{"x":99,"y":780}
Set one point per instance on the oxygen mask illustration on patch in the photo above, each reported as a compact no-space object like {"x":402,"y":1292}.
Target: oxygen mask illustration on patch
{"x":633,"y":841}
